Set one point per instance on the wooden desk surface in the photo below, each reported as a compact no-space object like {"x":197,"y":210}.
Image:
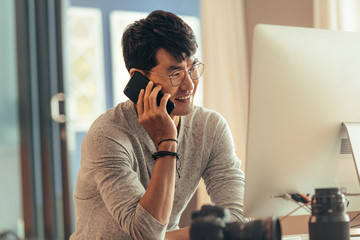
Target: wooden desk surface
{"x":354,"y":232}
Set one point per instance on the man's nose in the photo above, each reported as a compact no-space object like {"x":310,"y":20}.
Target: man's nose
{"x":187,"y":84}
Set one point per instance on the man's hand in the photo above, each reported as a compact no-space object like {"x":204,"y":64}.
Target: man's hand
{"x":180,"y":234}
{"x":155,"y":119}
{"x":159,"y":196}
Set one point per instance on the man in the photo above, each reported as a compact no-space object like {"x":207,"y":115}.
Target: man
{"x":140,"y":166}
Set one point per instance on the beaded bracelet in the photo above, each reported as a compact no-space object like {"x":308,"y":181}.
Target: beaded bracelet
{"x":168,"y":153}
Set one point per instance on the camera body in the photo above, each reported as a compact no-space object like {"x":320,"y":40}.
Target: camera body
{"x":213,"y":223}
{"x":328,"y":215}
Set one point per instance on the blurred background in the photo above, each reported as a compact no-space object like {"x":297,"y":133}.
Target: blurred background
{"x":61,"y":67}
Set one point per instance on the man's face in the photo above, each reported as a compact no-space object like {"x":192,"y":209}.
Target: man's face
{"x":183,"y":95}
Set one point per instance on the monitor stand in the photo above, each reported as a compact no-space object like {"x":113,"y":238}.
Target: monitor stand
{"x":353,"y":133}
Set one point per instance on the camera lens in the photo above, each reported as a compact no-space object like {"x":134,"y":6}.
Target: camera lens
{"x":266,"y":229}
{"x":328,"y":215}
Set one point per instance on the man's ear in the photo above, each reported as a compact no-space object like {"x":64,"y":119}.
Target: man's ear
{"x":132,"y":70}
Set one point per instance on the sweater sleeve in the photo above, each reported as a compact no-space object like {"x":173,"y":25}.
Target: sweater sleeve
{"x":224,"y":180}
{"x":114,"y":171}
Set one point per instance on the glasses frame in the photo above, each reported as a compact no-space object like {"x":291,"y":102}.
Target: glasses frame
{"x":186,"y":72}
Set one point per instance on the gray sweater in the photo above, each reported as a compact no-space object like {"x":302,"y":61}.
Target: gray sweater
{"x":116,"y":167}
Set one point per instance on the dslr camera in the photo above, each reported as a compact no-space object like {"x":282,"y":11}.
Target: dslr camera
{"x":213,"y":223}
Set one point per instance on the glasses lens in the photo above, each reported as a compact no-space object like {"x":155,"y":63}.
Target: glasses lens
{"x":196,"y":71}
{"x":177,"y":77}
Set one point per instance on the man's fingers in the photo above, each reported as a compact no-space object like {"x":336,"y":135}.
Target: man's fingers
{"x":140,"y":102}
{"x":153,"y":97}
{"x":148,"y":90}
{"x":164,"y":101}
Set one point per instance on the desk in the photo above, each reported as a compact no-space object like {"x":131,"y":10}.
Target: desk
{"x":306,"y":237}
{"x":353,"y":232}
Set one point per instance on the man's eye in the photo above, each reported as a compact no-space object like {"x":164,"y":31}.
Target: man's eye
{"x":176,"y":74}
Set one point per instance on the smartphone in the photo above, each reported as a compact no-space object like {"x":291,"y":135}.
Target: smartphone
{"x":138,"y":82}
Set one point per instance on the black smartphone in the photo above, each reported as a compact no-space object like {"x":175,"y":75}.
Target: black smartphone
{"x":138,"y":82}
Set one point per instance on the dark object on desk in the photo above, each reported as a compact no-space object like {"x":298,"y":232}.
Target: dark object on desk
{"x":328,"y":215}
{"x":213,"y":223}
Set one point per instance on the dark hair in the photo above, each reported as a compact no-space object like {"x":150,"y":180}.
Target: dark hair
{"x":159,"y":29}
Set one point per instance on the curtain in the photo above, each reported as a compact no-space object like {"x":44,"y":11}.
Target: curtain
{"x":226,"y":77}
{"x":337,"y":15}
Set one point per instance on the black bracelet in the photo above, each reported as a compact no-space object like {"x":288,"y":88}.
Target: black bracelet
{"x":170,"y":139}
{"x":168,"y":153}
{"x":163,"y":154}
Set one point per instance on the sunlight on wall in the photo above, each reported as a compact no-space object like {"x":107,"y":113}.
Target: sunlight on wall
{"x":85,"y":76}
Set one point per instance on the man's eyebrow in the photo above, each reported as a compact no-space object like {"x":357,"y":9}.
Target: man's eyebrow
{"x":172,"y":68}
{"x":196,"y":60}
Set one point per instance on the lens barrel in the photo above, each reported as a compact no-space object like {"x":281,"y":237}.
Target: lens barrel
{"x":213,"y":223}
{"x":328,"y":215}
{"x":264,"y":229}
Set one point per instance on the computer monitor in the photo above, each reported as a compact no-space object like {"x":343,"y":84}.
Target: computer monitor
{"x":304,"y":84}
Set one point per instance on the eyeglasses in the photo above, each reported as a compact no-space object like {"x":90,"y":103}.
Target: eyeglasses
{"x":177,"y":77}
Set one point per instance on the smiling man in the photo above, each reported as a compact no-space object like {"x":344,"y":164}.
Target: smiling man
{"x":140,"y":166}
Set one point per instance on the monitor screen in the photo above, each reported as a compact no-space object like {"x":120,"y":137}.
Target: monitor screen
{"x":304,"y":84}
